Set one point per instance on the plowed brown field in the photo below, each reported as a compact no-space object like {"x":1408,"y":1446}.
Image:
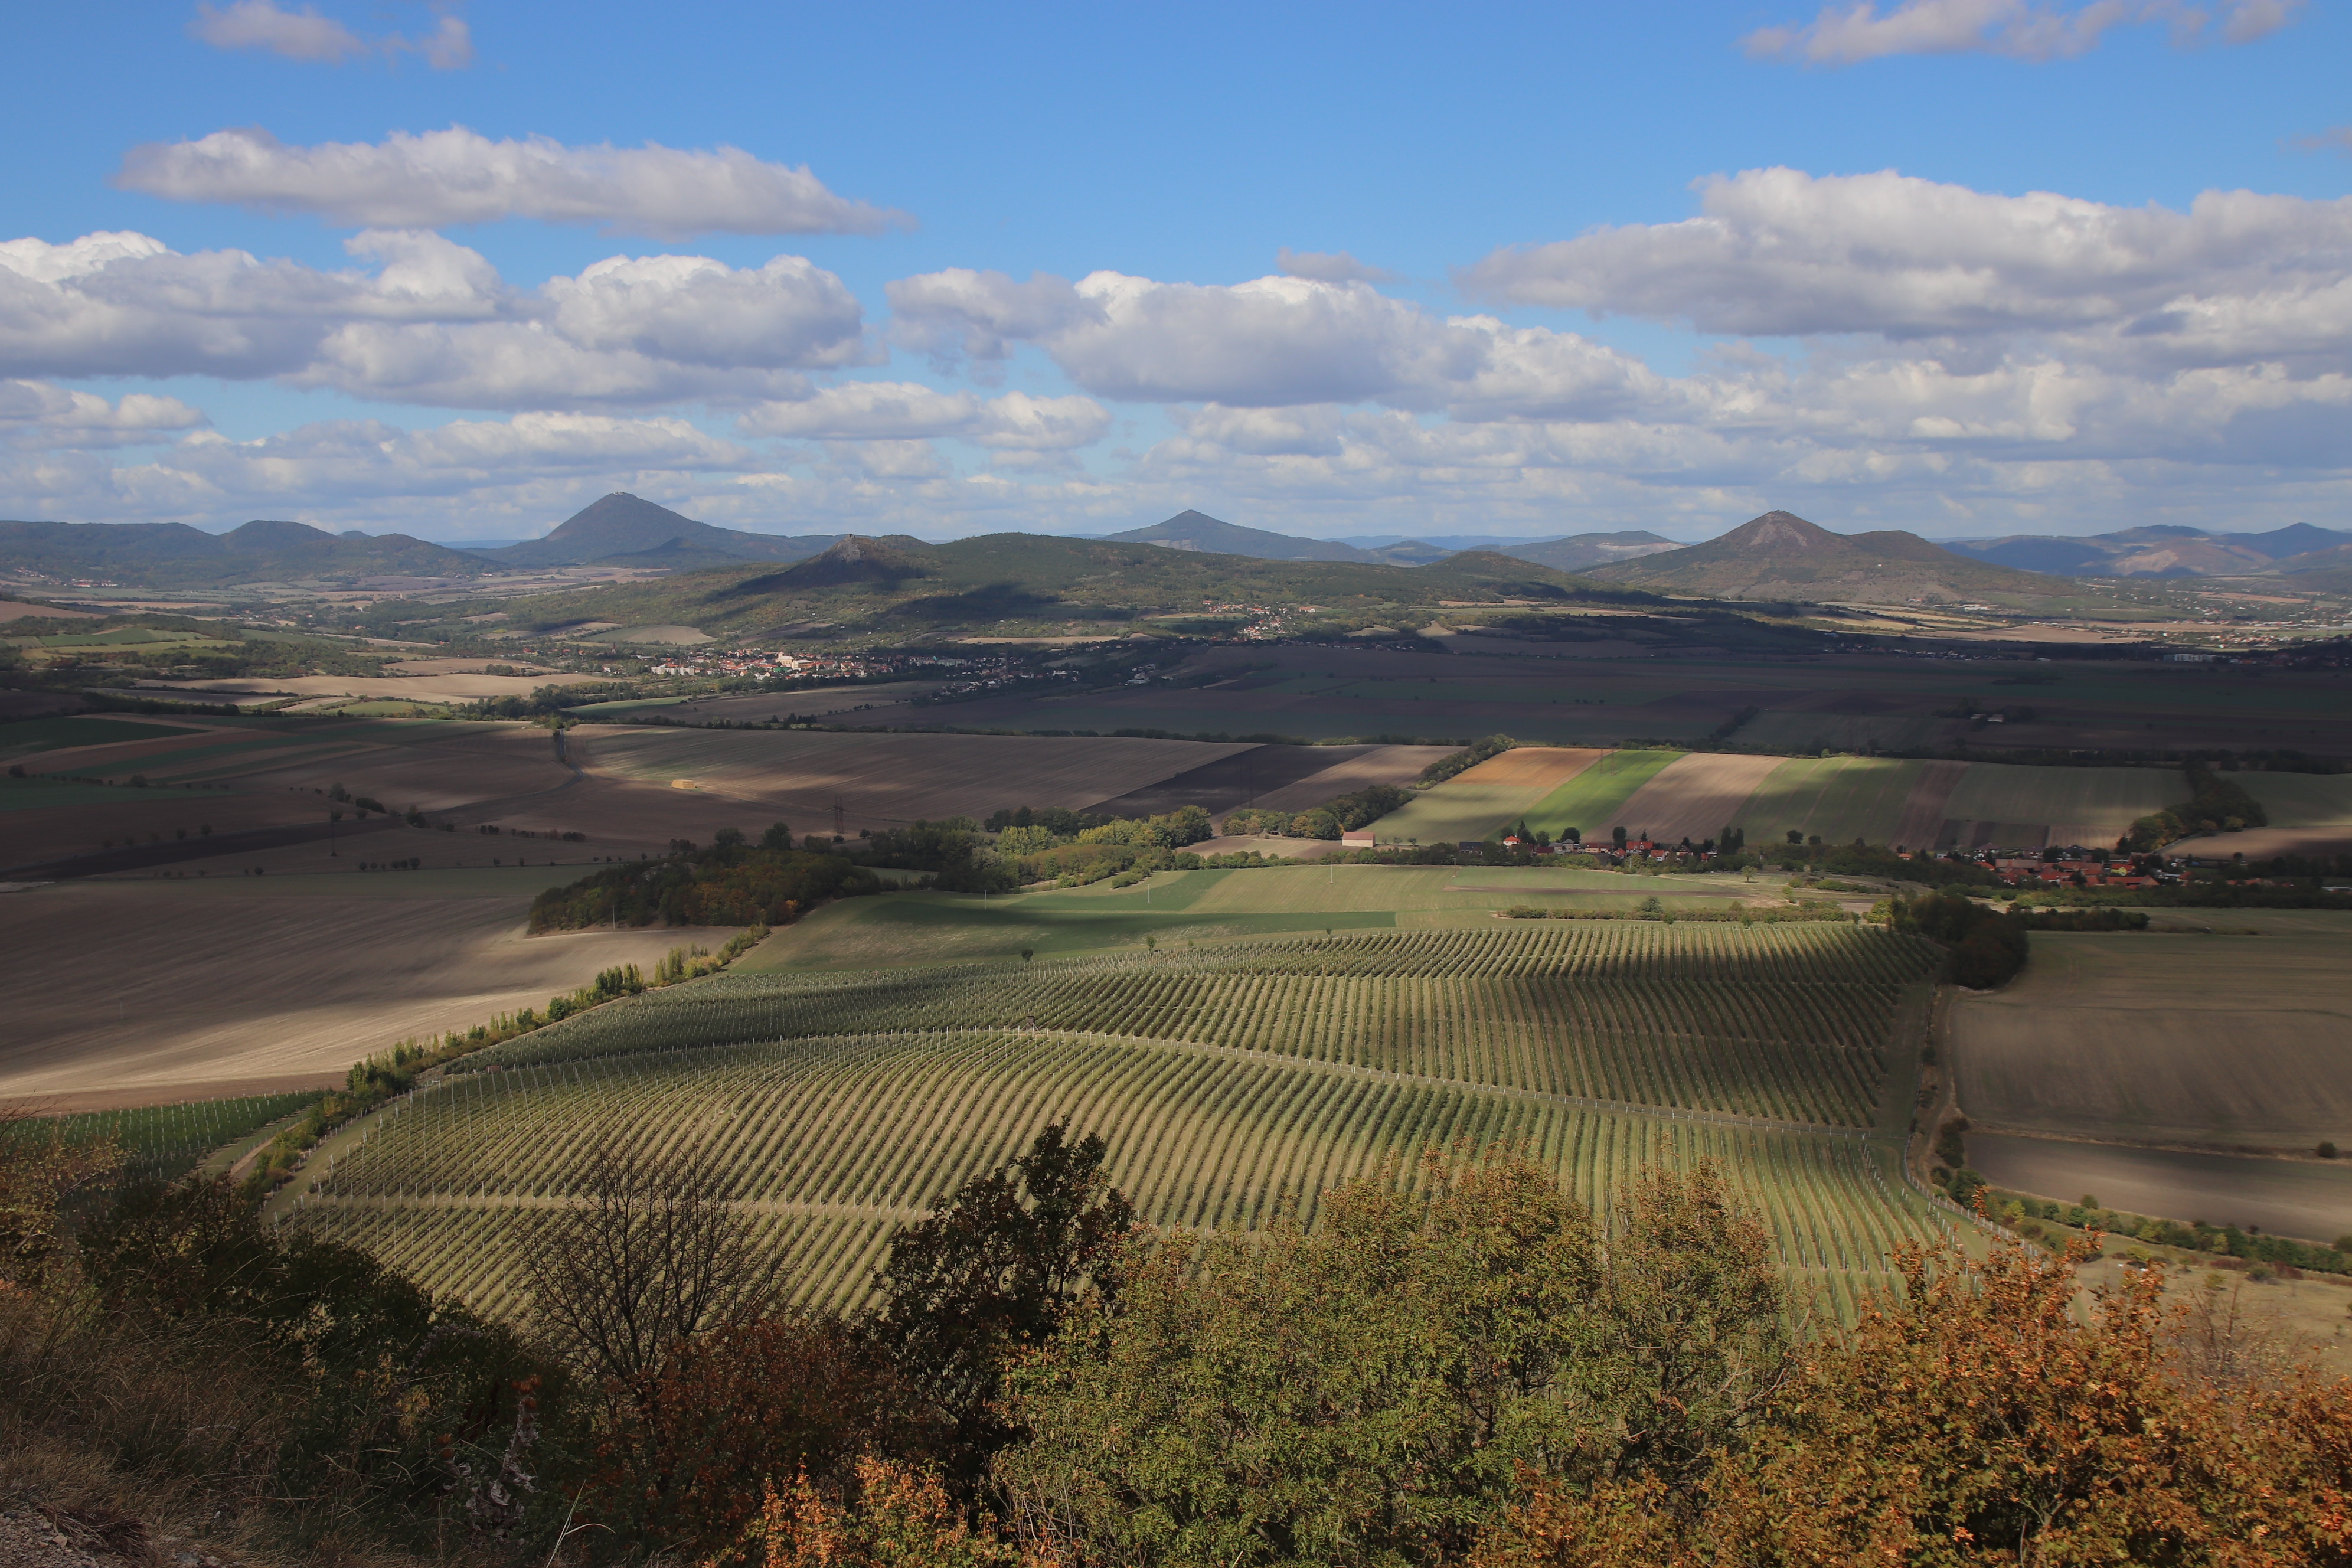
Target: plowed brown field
{"x":150,"y":992}
{"x":1696,"y":796}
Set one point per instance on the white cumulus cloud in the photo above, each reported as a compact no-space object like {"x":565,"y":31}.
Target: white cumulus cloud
{"x":35,"y":413}
{"x":1273,"y":341}
{"x":432,"y":322}
{"x":899,"y":410}
{"x":1780,"y":252}
{"x":458,"y":176}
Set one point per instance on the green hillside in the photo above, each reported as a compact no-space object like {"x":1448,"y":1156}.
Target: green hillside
{"x":1782,"y":556}
{"x":1224,"y":1078}
{"x":1014,"y":584}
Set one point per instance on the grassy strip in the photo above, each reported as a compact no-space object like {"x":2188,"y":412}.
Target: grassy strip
{"x":1650,"y":908}
{"x":2226,"y":1245}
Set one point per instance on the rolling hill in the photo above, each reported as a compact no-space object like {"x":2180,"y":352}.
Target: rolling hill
{"x":1780,"y":555}
{"x":1025,"y":585}
{"x":1198,"y":530}
{"x":624,"y":530}
{"x":1580,"y":551}
{"x":2160,"y":550}
{"x":173,"y":554}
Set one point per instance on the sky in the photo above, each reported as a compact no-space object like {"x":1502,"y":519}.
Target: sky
{"x":1969,"y":267}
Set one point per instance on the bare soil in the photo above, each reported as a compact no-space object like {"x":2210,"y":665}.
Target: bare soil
{"x":1695,"y":795}
{"x":149,"y":992}
{"x":1381,"y":764}
{"x":2216,"y":1042}
{"x":882,"y":780}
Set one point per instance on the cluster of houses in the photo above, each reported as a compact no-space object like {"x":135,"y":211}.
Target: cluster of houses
{"x":2072,"y":866}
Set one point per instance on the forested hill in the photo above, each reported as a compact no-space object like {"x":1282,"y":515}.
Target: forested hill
{"x":1782,"y":556}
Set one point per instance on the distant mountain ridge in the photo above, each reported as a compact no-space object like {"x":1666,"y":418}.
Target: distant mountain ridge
{"x":1781,"y":555}
{"x":1580,"y":551}
{"x":1198,"y":530}
{"x":620,"y":529}
{"x":1043,"y":584}
{"x":2162,"y":549}
{"x":264,"y":550}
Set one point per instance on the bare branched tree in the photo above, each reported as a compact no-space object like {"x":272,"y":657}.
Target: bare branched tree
{"x":650,"y":1255}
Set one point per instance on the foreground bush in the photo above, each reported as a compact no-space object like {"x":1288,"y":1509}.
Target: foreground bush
{"x":1373,"y":1391}
{"x":1978,"y":1420}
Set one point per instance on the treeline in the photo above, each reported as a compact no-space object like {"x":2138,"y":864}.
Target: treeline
{"x":1024,"y":845}
{"x":1462,"y":760}
{"x":2215,"y":805}
{"x":1461,"y":1367}
{"x":1340,"y":813}
{"x":545,"y":702}
{"x":732,"y":883}
{"x":2268,"y":1254}
{"x":1986,"y":947}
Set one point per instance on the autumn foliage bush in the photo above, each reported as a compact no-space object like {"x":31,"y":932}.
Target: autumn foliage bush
{"x":1976,"y":1419}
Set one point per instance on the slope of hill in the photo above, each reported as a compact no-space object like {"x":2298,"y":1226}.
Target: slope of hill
{"x":174,"y":553}
{"x":622,"y":527}
{"x":2335,"y":558}
{"x":856,"y":558}
{"x":1022,"y":584}
{"x":1782,"y":556}
{"x":1579,"y":550}
{"x":2159,"y":549}
{"x":1198,"y":530}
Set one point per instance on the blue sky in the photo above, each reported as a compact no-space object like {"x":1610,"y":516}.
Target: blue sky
{"x":1970,"y":266}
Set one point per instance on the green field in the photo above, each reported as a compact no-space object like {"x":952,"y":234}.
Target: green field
{"x":1180,"y":907}
{"x":1467,"y":806}
{"x":1224,"y":1073}
{"x":1589,"y":802}
{"x":1841,"y":798}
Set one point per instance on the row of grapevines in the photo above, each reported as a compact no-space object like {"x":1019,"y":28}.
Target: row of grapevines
{"x":829,"y":1141}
